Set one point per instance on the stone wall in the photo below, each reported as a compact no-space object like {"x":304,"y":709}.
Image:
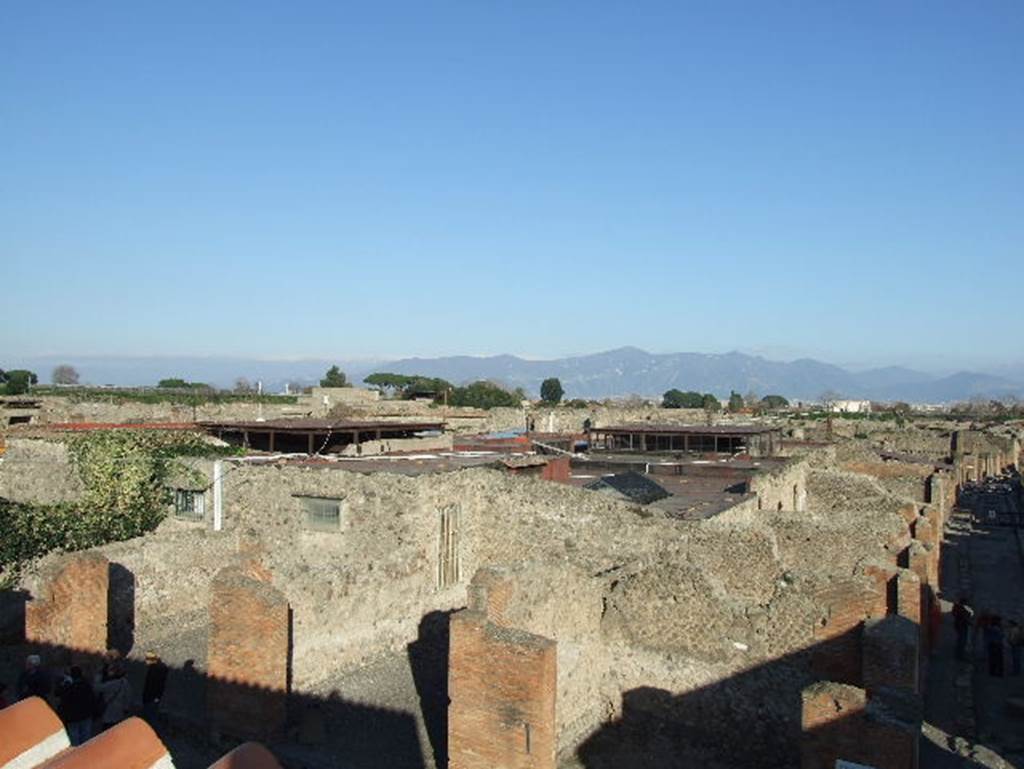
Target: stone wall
{"x":38,"y":472}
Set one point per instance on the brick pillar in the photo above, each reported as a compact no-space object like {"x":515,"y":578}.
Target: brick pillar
{"x":247,"y":656}
{"x":908,"y":596}
{"x":490,"y":591}
{"x":837,"y":653}
{"x":502,"y":684}
{"x":841,"y":722}
{"x":832,"y":724}
{"x":70,"y":606}
{"x":891,"y":649}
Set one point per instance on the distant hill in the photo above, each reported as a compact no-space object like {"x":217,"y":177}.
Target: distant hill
{"x":629,"y":370}
{"x":624,"y":371}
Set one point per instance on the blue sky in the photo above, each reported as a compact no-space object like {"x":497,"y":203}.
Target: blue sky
{"x":329,"y":179}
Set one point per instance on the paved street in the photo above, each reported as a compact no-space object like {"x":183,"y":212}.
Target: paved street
{"x":970,"y":722}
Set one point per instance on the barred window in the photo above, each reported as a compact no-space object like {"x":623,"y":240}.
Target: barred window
{"x":189,"y":505}
{"x":322,"y":513}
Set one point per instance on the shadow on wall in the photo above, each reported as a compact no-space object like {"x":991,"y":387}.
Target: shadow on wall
{"x":121,"y":609}
{"x":754,"y":719}
{"x":428,"y":659}
{"x":202,"y":716}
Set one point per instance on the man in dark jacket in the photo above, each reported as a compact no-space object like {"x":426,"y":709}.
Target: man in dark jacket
{"x":153,"y":688}
{"x":77,"y":703}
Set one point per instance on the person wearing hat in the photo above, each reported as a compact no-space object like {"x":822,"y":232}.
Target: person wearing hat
{"x":153,"y":688}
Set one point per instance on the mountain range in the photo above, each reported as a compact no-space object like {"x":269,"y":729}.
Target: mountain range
{"x":619,"y":372}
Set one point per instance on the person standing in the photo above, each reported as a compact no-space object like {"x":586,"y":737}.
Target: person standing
{"x":76,"y":700}
{"x":153,"y":688}
{"x":34,"y":680}
{"x":994,"y":644}
{"x":117,"y":695}
{"x":1015,"y":639}
{"x":962,"y":624}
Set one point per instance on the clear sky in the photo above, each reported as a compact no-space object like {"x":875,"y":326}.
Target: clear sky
{"x":841,"y":179}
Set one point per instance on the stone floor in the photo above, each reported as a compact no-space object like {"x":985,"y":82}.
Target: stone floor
{"x":968,"y":723}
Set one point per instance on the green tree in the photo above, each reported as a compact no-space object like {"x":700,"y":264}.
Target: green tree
{"x":382,"y":380}
{"x":735,"y":401}
{"x":19,"y":380}
{"x":710,"y":403}
{"x":551,"y":390}
{"x":334,"y":377}
{"x":172,"y":384}
{"x":773,"y":402}
{"x":676,"y":399}
{"x":484,"y":395}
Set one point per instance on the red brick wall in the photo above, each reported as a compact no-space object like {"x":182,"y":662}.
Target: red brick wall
{"x":248,"y":655}
{"x":833,"y":724}
{"x":70,"y":608}
{"x":837,"y":654}
{"x":837,"y":725}
{"x":502,"y":685}
{"x":557,"y":469}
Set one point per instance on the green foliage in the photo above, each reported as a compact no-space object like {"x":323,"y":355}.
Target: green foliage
{"x":19,"y":380}
{"x":551,"y":390}
{"x":710,"y":403}
{"x":735,"y":401}
{"x":408,"y":387}
{"x":334,"y":377}
{"x":677,"y":399}
{"x":577,"y":403}
{"x":181,"y":384}
{"x":485,"y":395}
{"x":773,"y":402}
{"x":129,"y":395}
{"x":125,"y":474}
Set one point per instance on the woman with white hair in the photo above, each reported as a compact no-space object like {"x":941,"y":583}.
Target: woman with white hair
{"x":34,"y":680}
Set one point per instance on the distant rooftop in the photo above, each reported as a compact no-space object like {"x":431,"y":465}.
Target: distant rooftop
{"x":665,"y":429}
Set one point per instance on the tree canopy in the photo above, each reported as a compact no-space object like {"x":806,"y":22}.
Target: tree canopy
{"x":551,"y":390}
{"x":773,"y":402}
{"x":19,"y":380}
{"x":677,"y":399}
{"x":735,"y":401}
{"x":64,"y":375}
{"x":334,"y":377}
{"x":485,"y":395}
{"x":175,"y":383}
{"x":407,"y":386}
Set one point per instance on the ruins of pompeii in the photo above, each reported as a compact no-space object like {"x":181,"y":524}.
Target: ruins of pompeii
{"x":350,"y":580}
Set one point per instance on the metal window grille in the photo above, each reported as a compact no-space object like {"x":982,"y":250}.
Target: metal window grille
{"x":449,"y":552}
{"x":322,"y":513}
{"x":189,"y":505}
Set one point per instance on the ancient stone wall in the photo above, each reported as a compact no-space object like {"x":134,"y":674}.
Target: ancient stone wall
{"x":38,"y":472}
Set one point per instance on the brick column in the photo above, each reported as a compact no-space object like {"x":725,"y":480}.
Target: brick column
{"x":832,"y":723}
{"x":70,"y":606}
{"x":502,"y":683}
{"x":841,"y":722}
{"x":247,"y":657}
{"x":891,"y":648}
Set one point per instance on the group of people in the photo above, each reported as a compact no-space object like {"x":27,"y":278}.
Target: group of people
{"x":88,"y":705}
{"x":995,"y":636}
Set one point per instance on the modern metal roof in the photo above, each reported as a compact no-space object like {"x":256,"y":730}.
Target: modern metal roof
{"x":321,"y":425}
{"x":662,"y":429}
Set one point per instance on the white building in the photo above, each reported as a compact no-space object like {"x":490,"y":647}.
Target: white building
{"x":850,"y":407}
